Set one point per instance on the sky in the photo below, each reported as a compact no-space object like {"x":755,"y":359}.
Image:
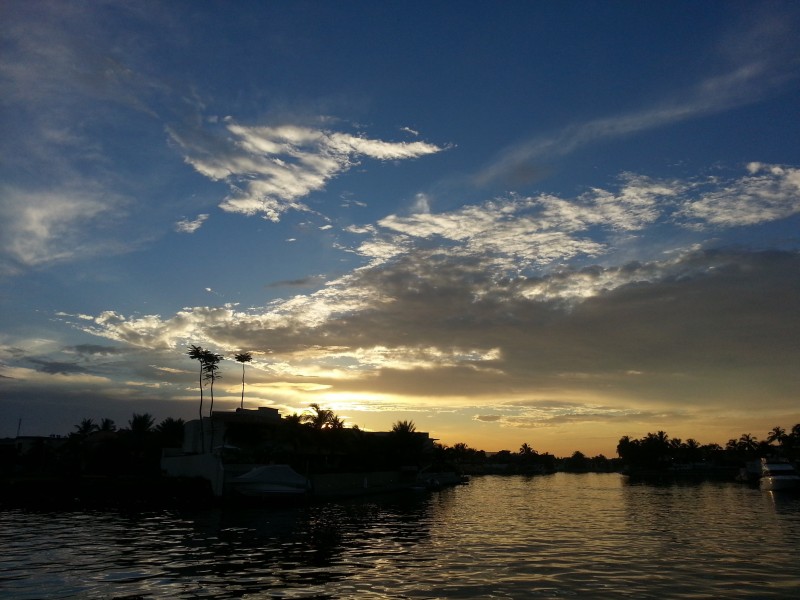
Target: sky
{"x":552,"y":223}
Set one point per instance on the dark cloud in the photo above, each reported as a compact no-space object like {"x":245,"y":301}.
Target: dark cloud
{"x":54,"y":367}
{"x":309,"y":281}
{"x":488,"y":418}
{"x":96,"y":349}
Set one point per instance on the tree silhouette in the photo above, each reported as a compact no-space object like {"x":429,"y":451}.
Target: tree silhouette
{"x":170,"y":432}
{"x":210,"y":362}
{"x":85,"y":427}
{"x":243,"y":357}
{"x":107,"y":425}
{"x":318,"y":418}
{"x":335,"y":422}
{"x":404,"y":427}
{"x":141,"y":423}
{"x":197,"y":353}
{"x":526,"y":450}
{"x":776,"y":434}
{"x":405,"y":446}
{"x":748,"y":443}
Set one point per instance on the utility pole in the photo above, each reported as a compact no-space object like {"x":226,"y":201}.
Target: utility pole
{"x":19,"y":426}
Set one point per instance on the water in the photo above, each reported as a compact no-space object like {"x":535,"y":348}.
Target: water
{"x":554,"y":536}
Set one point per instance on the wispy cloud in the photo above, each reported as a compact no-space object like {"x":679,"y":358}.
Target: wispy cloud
{"x":271,"y":169}
{"x":47,"y":227}
{"x":758,"y":59}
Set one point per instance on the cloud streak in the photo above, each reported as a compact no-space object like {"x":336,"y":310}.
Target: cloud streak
{"x":271,"y":169}
{"x":758,"y":61}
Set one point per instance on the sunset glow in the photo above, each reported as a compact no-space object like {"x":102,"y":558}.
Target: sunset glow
{"x":553,"y":223}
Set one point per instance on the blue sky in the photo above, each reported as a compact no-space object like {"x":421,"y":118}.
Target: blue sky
{"x":547,"y":222}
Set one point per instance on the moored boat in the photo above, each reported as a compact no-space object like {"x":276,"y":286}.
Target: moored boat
{"x":271,"y":481}
{"x":778,"y":475}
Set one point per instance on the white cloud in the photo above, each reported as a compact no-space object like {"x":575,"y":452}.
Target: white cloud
{"x":190,"y":226}
{"x":46,"y":227}
{"x":768,"y":193}
{"x":270,"y":169}
{"x":478,"y":287}
{"x":187,"y":226}
{"x":422,"y":204}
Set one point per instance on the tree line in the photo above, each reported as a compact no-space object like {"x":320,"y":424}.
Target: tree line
{"x":658,"y":450}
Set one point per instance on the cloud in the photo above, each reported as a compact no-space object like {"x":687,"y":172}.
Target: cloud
{"x":57,"y":367}
{"x":754,"y":61}
{"x":510,"y":305}
{"x":767,"y":193}
{"x":41,"y":228}
{"x":512,"y":262}
{"x":271,"y":169}
{"x":96,"y":350}
{"x":679,"y":323}
{"x":536,"y":414}
{"x":187,"y":226}
{"x":310,"y":281}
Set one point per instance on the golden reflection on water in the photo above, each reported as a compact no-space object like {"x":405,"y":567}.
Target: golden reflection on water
{"x":499,"y":537}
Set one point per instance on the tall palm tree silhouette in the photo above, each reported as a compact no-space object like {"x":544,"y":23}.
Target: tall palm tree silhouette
{"x":243,"y":357}
{"x":210,"y":368}
{"x":197,"y":353}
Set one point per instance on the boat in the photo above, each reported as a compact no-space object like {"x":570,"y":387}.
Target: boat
{"x":271,"y":481}
{"x":778,"y":475}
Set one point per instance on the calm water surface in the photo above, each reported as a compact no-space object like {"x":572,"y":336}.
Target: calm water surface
{"x":554,"y":536}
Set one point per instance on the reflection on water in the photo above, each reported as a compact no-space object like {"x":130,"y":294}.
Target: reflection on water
{"x":500,"y":537}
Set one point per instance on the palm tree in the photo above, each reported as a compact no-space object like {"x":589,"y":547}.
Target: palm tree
{"x":335,"y":422}
{"x":210,"y":363}
{"x":525,"y":449}
{"x":777,"y":434}
{"x":85,"y":427}
{"x":141,"y":423}
{"x":748,"y":442}
{"x":197,"y":353}
{"x":243,"y":357}
{"x":319,"y":418}
{"x":404,"y":427}
{"x":170,"y":431}
{"x":107,"y":425}
{"x":692,"y":449}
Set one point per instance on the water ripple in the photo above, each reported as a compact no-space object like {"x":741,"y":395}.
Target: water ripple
{"x":544,"y":537}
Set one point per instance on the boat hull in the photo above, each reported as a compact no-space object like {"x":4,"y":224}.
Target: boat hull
{"x":775,"y":484}
{"x":778,"y":475}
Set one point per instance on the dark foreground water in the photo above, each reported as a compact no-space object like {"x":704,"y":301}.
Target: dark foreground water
{"x":595,"y":536}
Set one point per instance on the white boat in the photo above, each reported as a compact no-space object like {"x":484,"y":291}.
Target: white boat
{"x":778,"y":475}
{"x":271,"y":481}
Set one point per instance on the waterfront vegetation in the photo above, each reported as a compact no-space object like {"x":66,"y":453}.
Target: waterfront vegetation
{"x":317,"y":440}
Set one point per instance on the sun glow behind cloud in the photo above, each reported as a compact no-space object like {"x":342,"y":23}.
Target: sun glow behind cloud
{"x":398,"y":333}
{"x":561,"y":268}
